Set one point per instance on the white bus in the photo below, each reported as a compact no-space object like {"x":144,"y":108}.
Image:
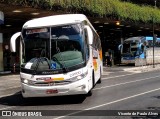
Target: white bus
{"x":60,"y":55}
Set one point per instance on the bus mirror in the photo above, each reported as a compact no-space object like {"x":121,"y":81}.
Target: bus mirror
{"x":89,"y":34}
{"x":120,"y":48}
{"x":13,"y":41}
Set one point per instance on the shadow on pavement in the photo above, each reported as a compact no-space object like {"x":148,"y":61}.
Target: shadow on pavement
{"x":18,"y":100}
{"x":152,"y":112}
{"x":120,"y":67}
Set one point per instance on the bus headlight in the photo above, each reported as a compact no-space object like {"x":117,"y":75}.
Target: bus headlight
{"x":79,"y":77}
{"x":26,"y":81}
{"x":23,"y":80}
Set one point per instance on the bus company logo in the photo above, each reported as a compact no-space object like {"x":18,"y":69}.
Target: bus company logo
{"x":51,"y":84}
{"x":75,"y":74}
{"x":43,"y":78}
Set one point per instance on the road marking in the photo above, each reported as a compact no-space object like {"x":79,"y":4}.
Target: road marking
{"x":2,"y":96}
{"x":118,"y":76}
{"x":107,"y":72}
{"x":125,"y":83}
{"x":10,"y":88}
{"x":109,"y":103}
{"x":110,"y":72}
{"x":8,"y":108}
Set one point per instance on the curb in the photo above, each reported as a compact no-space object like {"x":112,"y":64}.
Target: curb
{"x":2,"y":73}
{"x":10,"y":77}
{"x":143,"y":68}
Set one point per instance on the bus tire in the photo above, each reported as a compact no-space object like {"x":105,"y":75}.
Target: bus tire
{"x":93,"y":80}
{"x":93,"y":84}
{"x":89,"y":93}
{"x":100,"y":80}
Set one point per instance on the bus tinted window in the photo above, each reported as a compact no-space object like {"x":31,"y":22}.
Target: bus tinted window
{"x":66,"y":30}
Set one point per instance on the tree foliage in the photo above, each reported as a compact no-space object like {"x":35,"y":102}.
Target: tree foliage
{"x":100,"y":8}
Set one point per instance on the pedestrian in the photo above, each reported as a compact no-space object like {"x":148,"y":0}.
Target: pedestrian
{"x":7,"y":57}
{"x":108,"y":57}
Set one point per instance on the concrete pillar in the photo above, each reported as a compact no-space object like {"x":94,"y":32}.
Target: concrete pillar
{"x":1,"y":42}
{"x":1,"y":52}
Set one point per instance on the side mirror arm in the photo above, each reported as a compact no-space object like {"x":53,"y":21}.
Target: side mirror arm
{"x":89,"y":34}
{"x":13,"y":41}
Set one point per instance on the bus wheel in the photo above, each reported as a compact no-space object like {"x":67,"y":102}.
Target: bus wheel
{"x":89,"y":93}
{"x":93,"y":84}
{"x":100,"y":80}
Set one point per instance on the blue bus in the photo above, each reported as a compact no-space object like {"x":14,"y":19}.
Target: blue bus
{"x":136,"y":48}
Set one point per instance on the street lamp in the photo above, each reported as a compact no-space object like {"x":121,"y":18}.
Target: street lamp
{"x":154,"y":37}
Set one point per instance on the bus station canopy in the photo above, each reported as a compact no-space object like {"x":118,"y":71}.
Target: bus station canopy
{"x":107,"y":27}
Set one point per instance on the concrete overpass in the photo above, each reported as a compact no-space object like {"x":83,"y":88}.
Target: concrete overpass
{"x":111,"y":31}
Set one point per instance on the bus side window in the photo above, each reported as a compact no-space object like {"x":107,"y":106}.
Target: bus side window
{"x":142,"y":48}
{"x":86,"y":45}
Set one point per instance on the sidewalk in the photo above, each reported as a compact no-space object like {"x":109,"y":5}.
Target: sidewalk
{"x":5,"y":72}
{"x":9,"y":84}
{"x":131,"y":68}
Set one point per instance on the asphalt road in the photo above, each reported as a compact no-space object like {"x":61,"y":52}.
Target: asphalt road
{"x":121,"y":93}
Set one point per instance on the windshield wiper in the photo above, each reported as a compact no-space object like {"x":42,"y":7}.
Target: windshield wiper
{"x":40,"y":60}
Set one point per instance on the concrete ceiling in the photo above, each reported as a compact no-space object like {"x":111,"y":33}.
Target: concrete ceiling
{"x":16,"y":16}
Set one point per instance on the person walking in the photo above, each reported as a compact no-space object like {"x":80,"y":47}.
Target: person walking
{"x":108,"y":57}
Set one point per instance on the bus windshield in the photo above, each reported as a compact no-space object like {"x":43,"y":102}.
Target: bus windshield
{"x":126,"y":48}
{"x":53,"y":48}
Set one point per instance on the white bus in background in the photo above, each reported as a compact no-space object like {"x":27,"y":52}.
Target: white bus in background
{"x":60,"y":55}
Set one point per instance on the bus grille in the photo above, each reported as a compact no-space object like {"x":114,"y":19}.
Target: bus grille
{"x":51,"y":83}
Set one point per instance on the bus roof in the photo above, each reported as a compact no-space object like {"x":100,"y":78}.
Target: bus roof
{"x":147,"y":38}
{"x":134,"y":38}
{"x":151,"y":38}
{"x":55,"y":20}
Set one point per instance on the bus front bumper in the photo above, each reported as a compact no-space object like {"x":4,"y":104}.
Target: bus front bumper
{"x":78,"y":87}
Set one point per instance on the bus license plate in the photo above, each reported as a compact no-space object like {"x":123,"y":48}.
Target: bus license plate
{"x":128,"y":61}
{"x":51,"y":91}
